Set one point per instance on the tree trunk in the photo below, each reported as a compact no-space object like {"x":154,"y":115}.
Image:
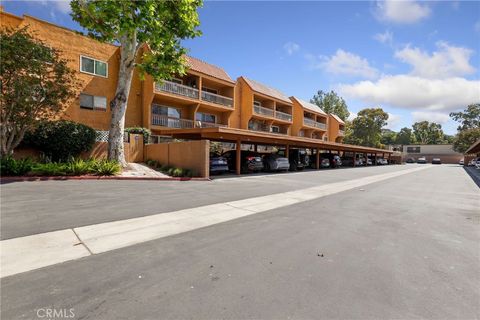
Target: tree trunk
{"x":119,"y":103}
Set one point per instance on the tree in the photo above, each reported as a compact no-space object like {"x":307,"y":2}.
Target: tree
{"x":428,"y":132}
{"x":388,"y":137}
{"x":465,"y":138}
{"x":149,"y":34}
{"x":469,"y":119}
{"x":331,"y":103}
{"x":367,"y":127}
{"x":35,"y":82}
{"x":405,"y":136}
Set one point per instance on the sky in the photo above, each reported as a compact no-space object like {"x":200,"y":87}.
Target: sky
{"x":418,"y":60}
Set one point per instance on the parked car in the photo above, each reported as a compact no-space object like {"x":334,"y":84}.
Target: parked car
{"x":298,"y":159}
{"x":436,"y":161}
{"x":349,"y":161}
{"x":218,"y":164}
{"x":422,"y":160}
{"x":324,"y":162}
{"x":471,"y":163}
{"x":369,"y":162}
{"x":477,"y":163}
{"x":461,"y":162}
{"x":410,"y":160}
{"x":334,"y":159}
{"x":382,"y":161}
{"x":250,"y":161}
{"x":275,"y":162}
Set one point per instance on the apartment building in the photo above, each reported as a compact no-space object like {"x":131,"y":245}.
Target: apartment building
{"x":205,"y":103}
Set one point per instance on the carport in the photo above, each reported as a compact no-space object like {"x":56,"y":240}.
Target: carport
{"x":239,"y":136}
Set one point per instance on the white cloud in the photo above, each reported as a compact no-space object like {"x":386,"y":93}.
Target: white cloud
{"x":411,"y":92}
{"x":57,"y":5}
{"x":393,"y":121}
{"x":401,"y":11}
{"x":448,"y":61}
{"x":385,"y":38}
{"x":437,"y":117}
{"x":343,"y":62}
{"x":291,"y":47}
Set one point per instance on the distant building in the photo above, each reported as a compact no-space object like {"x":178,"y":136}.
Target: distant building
{"x":443,"y":151}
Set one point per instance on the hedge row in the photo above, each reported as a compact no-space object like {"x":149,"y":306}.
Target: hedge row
{"x":74,"y":167}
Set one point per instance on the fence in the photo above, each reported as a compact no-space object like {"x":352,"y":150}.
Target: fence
{"x":193,"y":155}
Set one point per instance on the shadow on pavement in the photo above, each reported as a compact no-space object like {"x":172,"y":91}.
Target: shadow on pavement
{"x":474,"y":174}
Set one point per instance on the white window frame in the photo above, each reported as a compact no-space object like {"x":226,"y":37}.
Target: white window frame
{"x":257,"y":103}
{"x":94,"y":108}
{"x":94,"y":60}
{"x":278,"y":129}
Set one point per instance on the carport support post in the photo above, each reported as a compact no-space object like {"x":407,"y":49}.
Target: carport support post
{"x":287,"y":151}
{"x":354,"y":158}
{"x":318,"y":159}
{"x":238,"y":157}
{"x":366,"y":158}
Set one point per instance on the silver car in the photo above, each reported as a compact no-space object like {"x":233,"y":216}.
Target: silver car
{"x":275,"y":162}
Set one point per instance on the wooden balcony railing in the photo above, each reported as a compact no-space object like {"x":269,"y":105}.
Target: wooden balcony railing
{"x":313,"y":123}
{"x":179,"y":89}
{"x":218,"y":99}
{"x":263,"y":111}
{"x":341,"y":132}
{"x":283,"y":116}
{"x":170,"y":122}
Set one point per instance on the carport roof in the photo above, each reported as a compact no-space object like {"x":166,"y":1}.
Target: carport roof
{"x":474,"y":148}
{"x":248,"y":136}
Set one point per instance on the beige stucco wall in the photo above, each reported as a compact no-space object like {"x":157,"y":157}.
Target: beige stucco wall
{"x":193,"y":155}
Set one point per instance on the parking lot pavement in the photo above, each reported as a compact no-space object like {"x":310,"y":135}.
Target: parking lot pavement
{"x":400,"y":248}
{"x":36,"y":207}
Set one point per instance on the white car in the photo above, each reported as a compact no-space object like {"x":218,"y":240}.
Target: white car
{"x":461,"y":162}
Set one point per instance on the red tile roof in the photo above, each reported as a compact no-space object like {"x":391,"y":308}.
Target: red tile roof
{"x":310,"y":106}
{"x":268,"y":91}
{"x":337,"y":118}
{"x":207,"y":69}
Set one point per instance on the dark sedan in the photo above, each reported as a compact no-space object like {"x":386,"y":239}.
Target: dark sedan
{"x":436,"y":161}
{"x":249,"y":161}
{"x":218,"y":164}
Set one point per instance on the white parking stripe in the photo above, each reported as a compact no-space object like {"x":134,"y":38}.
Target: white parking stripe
{"x":36,"y":251}
{"x":40,"y":250}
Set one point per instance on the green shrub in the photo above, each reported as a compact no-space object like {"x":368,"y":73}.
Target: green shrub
{"x":11,"y":167}
{"x":78,"y":167}
{"x":106,"y":168}
{"x":62,"y":140}
{"x":50,"y":169}
{"x":188,"y":173}
{"x":140,"y":130}
{"x":178,"y":172}
{"x":165,"y":168}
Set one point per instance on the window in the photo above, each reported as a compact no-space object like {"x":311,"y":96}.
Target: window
{"x":92,"y":66}
{"x":176,"y":80}
{"x":209,"y":90}
{"x":205,"y":117}
{"x":257,"y":103}
{"x":166,"y":111}
{"x":301,"y":133}
{"x":275,"y":129}
{"x":88,"y":101}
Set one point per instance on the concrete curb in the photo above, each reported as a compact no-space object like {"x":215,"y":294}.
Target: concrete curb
{"x":49,"y":178}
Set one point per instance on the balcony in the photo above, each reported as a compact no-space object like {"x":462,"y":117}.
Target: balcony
{"x":312,"y":123}
{"x":217,"y":99}
{"x":341,"y":132}
{"x":283,"y":116}
{"x":170,"y":122}
{"x":263,"y":111}
{"x":178,"y":89}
